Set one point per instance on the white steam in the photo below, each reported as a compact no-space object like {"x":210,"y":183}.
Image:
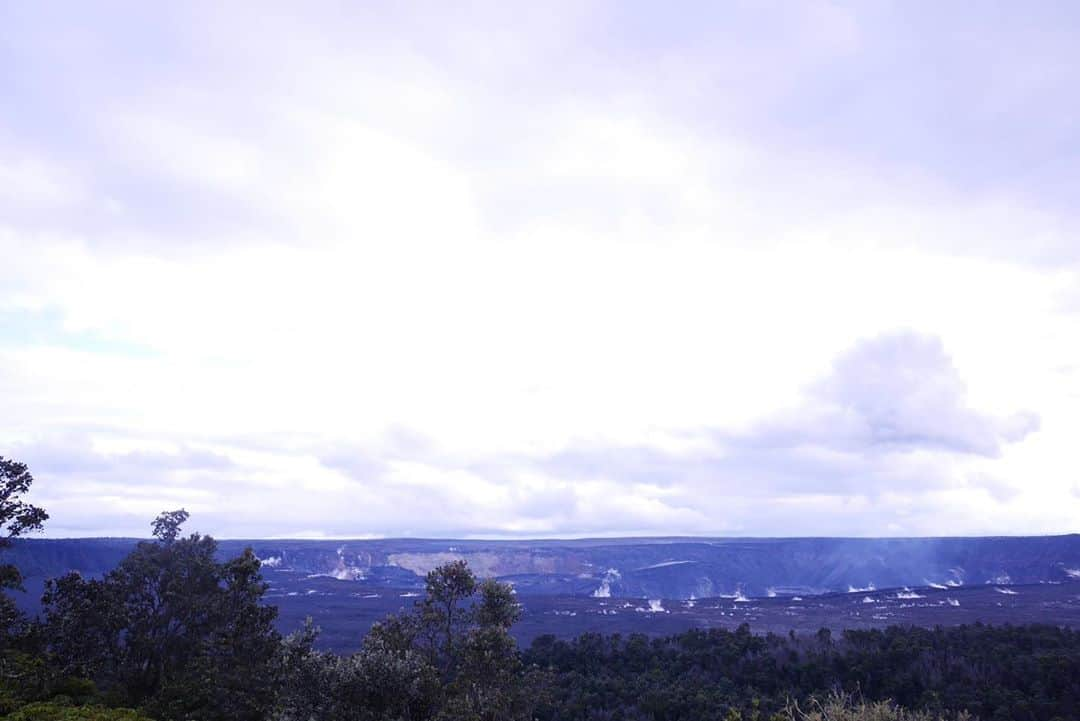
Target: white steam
{"x":604,"y":591}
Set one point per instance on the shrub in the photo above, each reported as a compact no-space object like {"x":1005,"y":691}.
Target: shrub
{"x":841,"y":707}
{"x":56,"y":712}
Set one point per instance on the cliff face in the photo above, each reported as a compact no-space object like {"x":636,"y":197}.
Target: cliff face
{"x":654,"y":568}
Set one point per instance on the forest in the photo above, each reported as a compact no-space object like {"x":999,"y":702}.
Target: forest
{"x":174,"y":633}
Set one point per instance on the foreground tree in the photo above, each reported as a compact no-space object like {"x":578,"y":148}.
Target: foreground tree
{"x":170,"y":630}
{"x":23,"y":676}
{"x":17,"y":517}
{"x":452,"y":657}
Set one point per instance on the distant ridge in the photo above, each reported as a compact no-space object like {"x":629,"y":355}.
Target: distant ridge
{"x":666,"y":567}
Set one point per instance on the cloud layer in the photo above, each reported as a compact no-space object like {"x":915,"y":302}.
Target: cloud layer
{"x":578,"y":269}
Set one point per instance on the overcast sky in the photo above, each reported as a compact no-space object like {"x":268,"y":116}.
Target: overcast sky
{"x":543,"y":269}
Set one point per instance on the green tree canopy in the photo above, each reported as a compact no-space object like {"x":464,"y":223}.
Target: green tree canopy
{"x":171,"y":629}
{"x":17,"y":517}
{"x":451,"y":657}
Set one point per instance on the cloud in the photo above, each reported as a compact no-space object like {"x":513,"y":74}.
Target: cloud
{"x":569,"y":271}
{"x":891,"y":415}
{"x":88,"y":490}
{"x":897,"y":392}
{"x":1067,"y":298}
{"x":75,"y":453}
{"x":887,"y":433}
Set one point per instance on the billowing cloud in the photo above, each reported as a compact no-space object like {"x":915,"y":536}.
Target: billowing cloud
{"x":892,"y":414}
{"x":896,"y":392}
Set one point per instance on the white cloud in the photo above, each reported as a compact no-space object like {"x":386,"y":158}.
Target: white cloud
{"x":582,"y":242}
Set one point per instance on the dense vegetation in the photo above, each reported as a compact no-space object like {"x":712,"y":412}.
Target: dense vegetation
{"x":1016,"y":673}
{"x":173,"y":633}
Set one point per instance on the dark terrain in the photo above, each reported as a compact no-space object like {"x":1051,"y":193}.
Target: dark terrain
{"x":344,"y":610}
{"x":653,"y":586}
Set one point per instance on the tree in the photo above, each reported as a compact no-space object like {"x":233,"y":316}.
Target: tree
{"x":170,"y":630}
{"x":492,"y":683}
{"x":448,"y":587}
{"x":305,"y":693}
{"x":17,"y":517}
{"x":387,"y":679}
{"x":167,"y":525}
{"x":452,"y":657}
{"x":83,"y":622}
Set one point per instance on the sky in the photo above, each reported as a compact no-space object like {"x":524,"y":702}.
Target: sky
{"x":552,"y":269}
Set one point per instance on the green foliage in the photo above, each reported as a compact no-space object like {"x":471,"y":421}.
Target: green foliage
{"x":61,"y":712}
{"x":24,"y":677}
{"x":171,"y":630}
{"x":452,"y":657}
{"x":1028,"y":673}
{"x":497,"y":607}
{"x":842,"y":707}
{"x":167,"y":525}
{"x":17,"y":517}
